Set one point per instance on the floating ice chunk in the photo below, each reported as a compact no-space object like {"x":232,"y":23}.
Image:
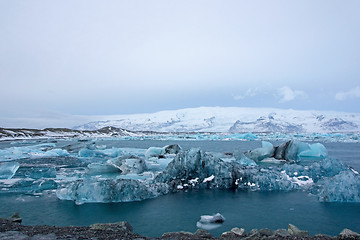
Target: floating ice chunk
{"x":258,"y":154}
{"x":8,"y":169}
{"x":317,"y":150}
{"x":95,"y":152}
{"x":99,"y":168}
{"x":109,"y":190}
{"x":209,"y":179}
{"x":158,"y":164}
{"x":57,"y":152}
{"x":217,"y":218}
{"x":208,"y":226}
{"x":85,"y":152}
{"x":101,"y":147}
{"x":160,"y":151}
{"x":243,"y":160}
{"x":128,"y":164}
{"x":294,"y":148}
{"x":154,"y":152}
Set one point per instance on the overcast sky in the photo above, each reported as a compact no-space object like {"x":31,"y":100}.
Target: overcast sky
{"x":64,"y":58}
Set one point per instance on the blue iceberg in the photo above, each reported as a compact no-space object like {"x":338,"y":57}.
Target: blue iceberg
{"x":8,"y":169}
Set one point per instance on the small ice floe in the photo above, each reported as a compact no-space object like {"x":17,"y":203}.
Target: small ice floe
{"x":217,"y":218}
{"x":210,"y":222}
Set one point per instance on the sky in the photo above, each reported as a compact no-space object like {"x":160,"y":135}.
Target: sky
{"x":64,"y":60}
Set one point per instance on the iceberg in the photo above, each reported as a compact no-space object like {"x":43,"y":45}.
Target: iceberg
{"x":258,"y":154}
{"x":243,"y":160}
{"x":317,"y":150}
{"x":216,"y":218}
{"x":160,"y":151}
{"x":343,"y":187}
{"x":109,"y":190}
{"x":154,"y":152}
{"x":8,"y":169}
{"x":208,"y":226}
{"x":210,"y":222}
{"x":128,"y":164}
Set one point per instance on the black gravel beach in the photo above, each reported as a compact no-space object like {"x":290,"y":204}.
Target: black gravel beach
{"x":12,"y":229}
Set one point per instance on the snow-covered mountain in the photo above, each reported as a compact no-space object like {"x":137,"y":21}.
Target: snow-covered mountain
{"x":10,"y":134}
{"x":233,"y":119}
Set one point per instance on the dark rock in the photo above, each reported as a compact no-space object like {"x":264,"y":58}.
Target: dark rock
{"x":228,"y":235}
{"x":115,"y":227}
{"x":282,"y":233}
{"x":348,"y":234}
{"x":203,"y":234}
{"x":254,"y":232}
{"x":239,"y":231}
{"x":253,"y":235}
{"x":323,"y":237}
{"x":13,"y":235}
{"x":266,"y":232}
{"x":293,"y":230}
{"x":178,"y":235}
{"x":16,"y":218}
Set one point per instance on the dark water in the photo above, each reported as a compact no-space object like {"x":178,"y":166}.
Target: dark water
{"x":181,"y":211}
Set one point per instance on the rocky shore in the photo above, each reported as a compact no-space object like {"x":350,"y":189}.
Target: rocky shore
{"x":12,"y":229}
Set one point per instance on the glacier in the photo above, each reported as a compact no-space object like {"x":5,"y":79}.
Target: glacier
{"x":89,"y":171}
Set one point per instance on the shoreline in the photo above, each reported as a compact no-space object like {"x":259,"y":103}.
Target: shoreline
{"x":11,"y":228}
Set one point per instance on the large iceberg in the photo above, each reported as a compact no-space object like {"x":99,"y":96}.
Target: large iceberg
{"x":290,"y":166}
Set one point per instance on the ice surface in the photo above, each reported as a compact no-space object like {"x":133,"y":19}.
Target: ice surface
{"x":317,"y":150}
{"x":343,"y":187}
{"x":128,"y":164}
{"x":40,"y":150}
{"x":258,"y":154}
{"x":109,"y":190}
{"x":154,"y":152}
{"x":216,"y":218}
{"x":160,"y":151}
{"x":243,"y":160}
{"x":8,"y":169}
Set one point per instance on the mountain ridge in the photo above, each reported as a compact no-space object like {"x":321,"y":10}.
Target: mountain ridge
{"x":233,"y":119}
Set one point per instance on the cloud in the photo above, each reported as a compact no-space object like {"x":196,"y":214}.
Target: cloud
{"x":286,"y":94}
{"x":352,"y":93}
{"x":251,"y":92}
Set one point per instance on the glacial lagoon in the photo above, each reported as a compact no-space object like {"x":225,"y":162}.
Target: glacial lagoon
{"x":38,"y":203}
